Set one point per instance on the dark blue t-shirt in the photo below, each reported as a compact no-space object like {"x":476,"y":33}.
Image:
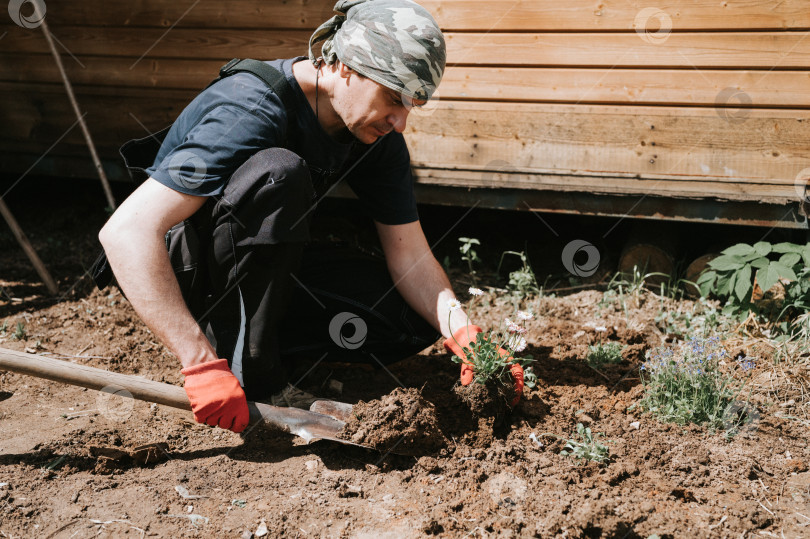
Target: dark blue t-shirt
{"x":240,"y":115}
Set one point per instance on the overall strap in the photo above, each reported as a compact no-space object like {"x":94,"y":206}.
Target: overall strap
{"x":271,"y":76}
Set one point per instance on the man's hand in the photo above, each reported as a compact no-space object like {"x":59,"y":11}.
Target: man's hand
{"x":215,"y":395}
{"x":463,"y":338}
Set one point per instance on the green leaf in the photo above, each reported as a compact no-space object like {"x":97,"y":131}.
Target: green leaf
{"x":767,"y":276}
{"x":706,"y":282}
{"x":726,"y":263}
{"x":752,"y":256}
{"x":806,"y":254}
{"x":787,"y":247}
{"x":760,"y":262}
{"x":790,"y":259}
{"x":724,"y":286}
{"x":763,"y":248}
{"x":743,"y":285}
{"x":784,"y":271}
{"x":740,"y":249}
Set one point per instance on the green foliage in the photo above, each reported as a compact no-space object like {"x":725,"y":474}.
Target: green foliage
{"x":490,"y":364}
{"x":469,"y":254}
{"x":701,"y":319}
{"x":4,"y":327}
{"x":604,"y":354}
{"x":731,"y":277}
{"x":686,"y":385}
{"x":587,"y":447}
{"x":628,"y":290}
{"x":19,"y":332}
{"x":493,"y":353}
{"x":522,"y":281}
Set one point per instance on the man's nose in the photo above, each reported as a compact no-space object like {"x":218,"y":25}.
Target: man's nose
{"x":399,"y":119}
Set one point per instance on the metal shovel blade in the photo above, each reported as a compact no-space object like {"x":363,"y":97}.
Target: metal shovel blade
{"x":306,"y":424}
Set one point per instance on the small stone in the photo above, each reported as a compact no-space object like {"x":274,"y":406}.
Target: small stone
{"x":247,"y":534}
{"x":75,"y":497}
{"x":635,"y":425}
{"x":189,"y":509}
{"x":261,"y":531}
{"x":312,"y":465}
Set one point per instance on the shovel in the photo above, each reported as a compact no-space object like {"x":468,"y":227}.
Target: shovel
{"x":322,"y":422}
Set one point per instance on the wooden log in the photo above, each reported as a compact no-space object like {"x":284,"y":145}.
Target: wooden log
{"x":693,"y":271}
{"x":650,"y":250}
{"x":653,"y":262}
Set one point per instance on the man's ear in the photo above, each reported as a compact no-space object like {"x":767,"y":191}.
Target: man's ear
{"x":345,"y":71}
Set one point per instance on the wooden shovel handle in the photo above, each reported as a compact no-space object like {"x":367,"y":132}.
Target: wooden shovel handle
{"x":303,"y":423}
{"x":92,"y":378}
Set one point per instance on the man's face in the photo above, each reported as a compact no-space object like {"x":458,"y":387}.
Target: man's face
{"x":370,"y":110}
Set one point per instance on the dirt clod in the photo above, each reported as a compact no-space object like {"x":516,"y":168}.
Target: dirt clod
{"x":401,"y":421}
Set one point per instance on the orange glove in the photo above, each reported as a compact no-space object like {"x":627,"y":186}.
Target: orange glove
{"x":216,"y":396}
{"x":461,"y":339}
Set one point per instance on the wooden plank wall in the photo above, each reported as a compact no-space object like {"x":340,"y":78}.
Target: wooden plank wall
{"x":691,"y":98}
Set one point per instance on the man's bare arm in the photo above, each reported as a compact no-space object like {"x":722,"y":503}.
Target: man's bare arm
{"x":419,"y":277}
{"x":133,"y":239}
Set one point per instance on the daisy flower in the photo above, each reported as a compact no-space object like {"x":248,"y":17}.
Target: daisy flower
{"x":525,"y":315}
{"x":475,"y":291}
{"x":518,"y":344}
{"x":512,"y":327}
{"x":453,"y":305}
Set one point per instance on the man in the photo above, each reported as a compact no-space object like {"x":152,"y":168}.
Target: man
{"x":241,"y":174}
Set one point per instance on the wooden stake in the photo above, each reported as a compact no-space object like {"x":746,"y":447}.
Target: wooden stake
{"x":69,"y":88}
{"x":28,"y":248}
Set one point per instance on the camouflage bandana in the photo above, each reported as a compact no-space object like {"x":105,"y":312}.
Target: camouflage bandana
{"x":396,"y":43}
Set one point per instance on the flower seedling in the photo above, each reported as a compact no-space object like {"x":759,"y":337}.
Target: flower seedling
{"x":469,"y":255}
{"x":522,"y":281}
{"x":602,"y":354}
{"x":492,"y":354}
{"x":587,"y":447}
{"x":19,"y":333}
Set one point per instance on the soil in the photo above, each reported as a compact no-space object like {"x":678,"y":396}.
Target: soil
{"x":72,"y":462}
{"x":402,"y":422}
